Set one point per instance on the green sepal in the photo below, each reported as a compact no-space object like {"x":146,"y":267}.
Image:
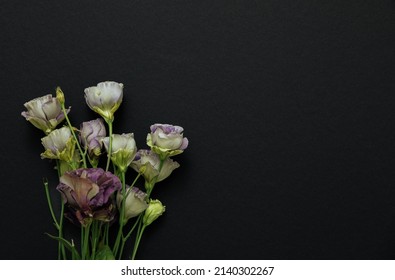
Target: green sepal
{"x":122,"y":159}
{"x":162,"y":152}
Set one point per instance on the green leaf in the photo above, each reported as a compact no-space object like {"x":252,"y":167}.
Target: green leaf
{"x":104,"y":253}
{"x":68,"y":245}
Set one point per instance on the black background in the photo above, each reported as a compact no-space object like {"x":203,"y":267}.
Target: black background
{"x":288,"y":105}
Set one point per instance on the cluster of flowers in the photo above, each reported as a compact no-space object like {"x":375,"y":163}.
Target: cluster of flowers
{"x":93,"y":197}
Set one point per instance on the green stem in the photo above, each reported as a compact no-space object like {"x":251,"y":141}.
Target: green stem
{"x":136,"y":246}
{"x":132,"y":185}
{"x":58,"y":168}
{"x":61,"y":245}
{"x":50,"y":204}
{"x":95,"y":237}
{"x":121,"y":216}
{"x":82,"y":242}
{"x":124,"y":239}
{"x":106,"y":233}
{"x":61,"y":249}
{"x":85,"y":242}
{"x":75,"y":137}
{"x":154,"y":181}
{"x":109,"y":145}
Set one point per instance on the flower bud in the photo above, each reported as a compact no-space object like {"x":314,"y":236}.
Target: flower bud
{"x":154,"y":210}
{"x":60,"y":96}
{"x":91,"y":135}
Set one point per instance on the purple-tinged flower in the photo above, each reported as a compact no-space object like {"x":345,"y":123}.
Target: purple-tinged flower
{"x":88,"y":194}
{"x":167,"y":140}
{"x":148,"y":164}
{"x":135,"y":202}
{"x":91,"y":135}
{"x":44,"y":112}
{"x":105,"y":98}
{"x":123,"y":149}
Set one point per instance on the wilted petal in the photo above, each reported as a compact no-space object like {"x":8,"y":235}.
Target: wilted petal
{"x":88,"y":193}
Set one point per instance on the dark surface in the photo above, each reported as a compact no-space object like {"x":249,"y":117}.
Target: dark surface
{"x":289,"y":107}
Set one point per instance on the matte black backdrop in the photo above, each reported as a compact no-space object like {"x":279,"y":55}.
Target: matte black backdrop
{"x":288,"y":105}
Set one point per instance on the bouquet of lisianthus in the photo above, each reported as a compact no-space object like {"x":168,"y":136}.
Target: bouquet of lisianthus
{"x":95,"y":198}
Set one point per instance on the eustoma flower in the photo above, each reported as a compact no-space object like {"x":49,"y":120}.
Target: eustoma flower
{"x":87,"y":192}
{"x":148,"y":164}
{"x":167,"y":140}
{"x":44,"y":112}
{"x":154,"y":210}
{"x":59,"y":144}
{"x":95,"y":198}
{"x":105,"y":98}
{"x":123,"y":149}
{"x":91,"y":135}
{"x":135,"y":203}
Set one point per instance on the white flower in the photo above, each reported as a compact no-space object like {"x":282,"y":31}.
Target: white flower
{"x":148,"y":163}
{"x":59,"y":144}
{"x":167,"y":140}
{"x":135,"y":202}
{"x":105,"y":98}
{"x":44,"y":112}
{"x":123,"y":149}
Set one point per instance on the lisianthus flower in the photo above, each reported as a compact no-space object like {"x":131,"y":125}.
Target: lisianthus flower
{"x":105,"y":98}
{"x":154,"y":210}
{"x":167,"y":140}
{"x":148,"y":164}
{"x":123,"y":149}
{"x":44,"y":112}
{"x":135,"y":202}
{"x":91,"y":135}
{"x":87,"y":192}
{"x":59,"y":144}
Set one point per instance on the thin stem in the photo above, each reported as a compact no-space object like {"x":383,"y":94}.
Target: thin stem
{"x":95,"y":237}
{"x":61,"y":245}
{"x":121,"y":216}
{"x":85,"y":242}
{"x":58,"y":168}
{"x":124,"y":239}
{"x":50,"y":204}
{"x":135,"y":180}
{"x":75,"y":137}
{"x":109,"y":145}
{"x":154,"y":181}
{"x":136,"y":246}
{"x":106,"y":233}
{"x":82,"y":242}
